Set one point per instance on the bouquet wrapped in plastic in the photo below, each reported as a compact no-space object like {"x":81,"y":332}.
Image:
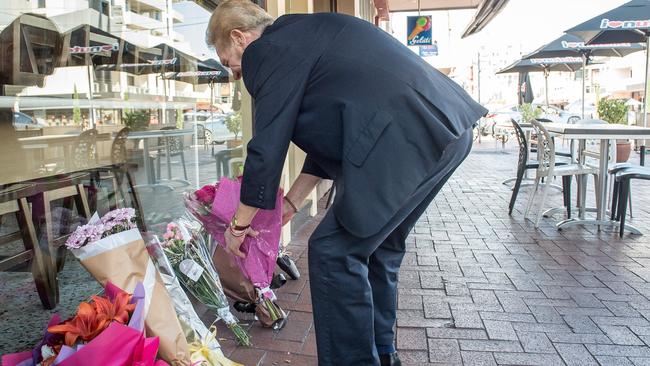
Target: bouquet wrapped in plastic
{"x":214,"y":206}
{"x":109,"y":330}
{"x":185,"y":254}
{"x":111,"y":249}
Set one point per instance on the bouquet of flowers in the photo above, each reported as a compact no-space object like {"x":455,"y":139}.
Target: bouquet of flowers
{"x":190,"y":259}
{"x":112,"y":249}
{"x":214,"y":206}
{"x":108,"y":330}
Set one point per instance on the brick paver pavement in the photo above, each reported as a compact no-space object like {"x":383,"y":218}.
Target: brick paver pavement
{"x":478,"y":287}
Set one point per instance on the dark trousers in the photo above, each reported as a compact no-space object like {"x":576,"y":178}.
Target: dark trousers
{"x":354,"y":280}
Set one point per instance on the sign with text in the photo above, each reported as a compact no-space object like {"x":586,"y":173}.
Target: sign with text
{"x":418,"y":29}
{"x":429,"y":51}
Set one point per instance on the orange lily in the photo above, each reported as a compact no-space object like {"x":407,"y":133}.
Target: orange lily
{"x":118,"y":310}
{"x":83,"y":326}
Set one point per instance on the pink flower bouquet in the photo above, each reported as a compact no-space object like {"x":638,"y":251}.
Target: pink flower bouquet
{"x":214,"y":206}
{"x":107,"y":331}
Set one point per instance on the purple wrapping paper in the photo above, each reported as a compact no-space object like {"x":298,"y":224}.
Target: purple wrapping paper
{"x":261,"y":251}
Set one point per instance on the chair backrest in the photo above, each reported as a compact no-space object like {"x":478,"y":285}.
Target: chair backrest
{"x":175,"y":142}
{"x":85,"y":150}
{"x":545,"y":150}
{"x":523,"y":143}
{"x":200,"y":131}
{"x":118,"y":148}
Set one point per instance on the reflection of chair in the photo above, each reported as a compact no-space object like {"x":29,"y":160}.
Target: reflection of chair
{"x":84,"y":151}
{"x":202,"y":135}
{"x":524,"y":165}
{"x":172,"y":145}
{"x":13,"y":200}
{"x":117,"y":170}
{"x":70,"y":189}
{"x":223,"y":158}
{"x":547,"y":169}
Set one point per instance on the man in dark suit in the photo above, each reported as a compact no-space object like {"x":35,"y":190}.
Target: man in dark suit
{"x":372,"y":116}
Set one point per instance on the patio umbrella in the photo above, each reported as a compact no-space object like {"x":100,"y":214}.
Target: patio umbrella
{"x":525,"y":93}
{"x":629,"y":22}
{"x":545,"y":65}
{"x":570,"y":45}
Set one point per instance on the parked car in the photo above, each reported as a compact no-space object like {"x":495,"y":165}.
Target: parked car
{"x":23,"y":121}
{"x":576,"y":109}
{"x":215,"y":128}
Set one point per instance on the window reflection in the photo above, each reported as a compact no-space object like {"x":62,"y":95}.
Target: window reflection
{"x":90,"y":118}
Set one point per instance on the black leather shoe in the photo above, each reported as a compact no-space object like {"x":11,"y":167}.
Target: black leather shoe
{"x":278,"y":281}
{"x":288,"y":265}
{"x":244,"y":307}
{"x":390,"y":359}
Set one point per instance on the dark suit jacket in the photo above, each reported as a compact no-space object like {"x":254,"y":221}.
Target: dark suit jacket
{"x":368,"y":111}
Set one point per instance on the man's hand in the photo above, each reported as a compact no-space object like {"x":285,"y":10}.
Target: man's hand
{"x":233,"y":243}
{"x":287,"y":213}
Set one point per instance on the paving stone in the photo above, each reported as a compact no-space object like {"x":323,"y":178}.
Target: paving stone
{"x":640,"y":361}
{"x":471,"y":358}
{"x":466,"y":319}
{"x":500,"y":330}
{"x":535,"y":342}
{"x":614,"y":361}
{"x":507,"y":317}
{"x":581,"y":324}
{"x":444,"y":351}
{"x":503,"y":358}
{"x":436,"y":309}
{"x":454,"y":333}
{"x":544,"y":328}
{"x":411,"y":339}
{"x":578,"y":338}
{"x":614,"y":350}
{"x":409,"y":302}
{"x":575,"y":355}
{"x":621,"y":335}
{"x":546,"y":314}
{"x":490,"y":346}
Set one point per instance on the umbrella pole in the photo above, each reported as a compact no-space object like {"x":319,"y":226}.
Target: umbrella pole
{"x":645,"y":87}
{"x":91,"y":111}
{"x":584,"y":71}
{"x":546,"y":72}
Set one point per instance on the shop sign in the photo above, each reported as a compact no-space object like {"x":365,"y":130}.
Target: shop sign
{"x":418,"y":29}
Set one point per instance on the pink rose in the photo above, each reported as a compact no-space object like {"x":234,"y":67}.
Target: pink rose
{"x":206,"y":194}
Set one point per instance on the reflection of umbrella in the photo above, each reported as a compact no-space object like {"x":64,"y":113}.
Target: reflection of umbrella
{"x":627,"y":23}
{"x":208,"y":71}
{"x":545,"y":65}
{"x":570,"y":45}
{"x":88,"y":46}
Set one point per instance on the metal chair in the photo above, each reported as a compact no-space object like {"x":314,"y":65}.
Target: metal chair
{"x":117,"y":170}
{"x":13,"y":200}
{"x":84,"y":151}
{"x":524,"y":164}
{"x":622,"y":192}
{"x":172,"y":145}
{"x":547,"y":169}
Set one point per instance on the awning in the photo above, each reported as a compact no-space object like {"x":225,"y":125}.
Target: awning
{"x":486,"y":9}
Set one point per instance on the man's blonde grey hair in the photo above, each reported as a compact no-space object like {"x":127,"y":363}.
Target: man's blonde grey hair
{"x":243,"y":15}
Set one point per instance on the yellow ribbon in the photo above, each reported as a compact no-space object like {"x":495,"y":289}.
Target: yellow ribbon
{"x":202,"y":355}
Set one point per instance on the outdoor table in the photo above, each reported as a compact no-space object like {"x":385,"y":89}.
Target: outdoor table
{"x":145,"y":136}
{"x":66,"y":142}
{"x":604,"y":133}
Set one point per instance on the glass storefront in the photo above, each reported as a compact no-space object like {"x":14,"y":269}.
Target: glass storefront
{"x":98,"y":112}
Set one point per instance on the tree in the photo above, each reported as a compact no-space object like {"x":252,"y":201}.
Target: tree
{"x":76,"y":111}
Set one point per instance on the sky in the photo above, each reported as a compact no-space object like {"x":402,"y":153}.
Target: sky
{"x":530,"y":23}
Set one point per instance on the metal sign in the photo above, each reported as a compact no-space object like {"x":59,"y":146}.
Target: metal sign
{"x":429,"y":51}
{"x":418,"y":29}
{"x":95,"y":49}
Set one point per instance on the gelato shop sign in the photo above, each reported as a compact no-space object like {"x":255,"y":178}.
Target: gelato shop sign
{"x":418,"y":29}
